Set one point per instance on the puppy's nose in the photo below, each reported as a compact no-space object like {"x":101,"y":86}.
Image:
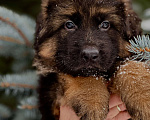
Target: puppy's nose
{"x":90,"y":53}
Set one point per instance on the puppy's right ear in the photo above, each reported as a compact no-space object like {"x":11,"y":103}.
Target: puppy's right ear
{"x":43,"y":20}
{"x":47,"y":7}
{"x":133,"y":22}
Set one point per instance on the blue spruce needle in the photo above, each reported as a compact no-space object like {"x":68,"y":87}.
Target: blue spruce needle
{"x":140,"y":47}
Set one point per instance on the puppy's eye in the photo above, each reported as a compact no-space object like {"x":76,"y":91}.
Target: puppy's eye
{"x":104,"y":25}
{"x":69,"y":25}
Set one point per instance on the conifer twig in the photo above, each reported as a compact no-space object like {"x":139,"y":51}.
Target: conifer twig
{"x":17,"y":29}
{"x":29,"y":107}
{"x":6,"y":84}
{"x":140,"y":47}
{"x":10,"y":39}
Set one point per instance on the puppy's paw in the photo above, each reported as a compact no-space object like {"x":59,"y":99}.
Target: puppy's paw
{"x":88,"y":96}
{"x":95,"y":115}
{"x":138,"y":108}
{"x":91,"y":110}
{"x":133,"y":84}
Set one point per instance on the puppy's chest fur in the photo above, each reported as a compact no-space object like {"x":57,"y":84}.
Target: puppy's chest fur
{"x":89,"y":96}
{"x":83,"y":94}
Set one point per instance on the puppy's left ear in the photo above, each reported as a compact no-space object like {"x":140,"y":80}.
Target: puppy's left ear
{"x":133,"y":22}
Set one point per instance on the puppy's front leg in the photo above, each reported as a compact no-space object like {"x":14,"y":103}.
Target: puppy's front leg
{"x":132,"y":82}
{"x":88,"y":96}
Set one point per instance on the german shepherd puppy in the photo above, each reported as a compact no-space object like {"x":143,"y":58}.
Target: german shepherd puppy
{"x":79,"y":44}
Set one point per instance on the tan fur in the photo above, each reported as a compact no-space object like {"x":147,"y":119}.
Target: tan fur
{"x":88,"y":93}
{"x":106,"y":10}
{"x":94,"y":10}
{"x":45,"y":68}
{"x":48,"y":48}
{"x":42,"y":32}
{"x":115,"y":18}
{"x":44,"y":7}
{"x":132,"y":83}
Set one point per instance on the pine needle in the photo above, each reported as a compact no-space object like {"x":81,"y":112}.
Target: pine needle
{"x":30,"y":107}
{"x":140,"y":46}
{"x":19,"y":84}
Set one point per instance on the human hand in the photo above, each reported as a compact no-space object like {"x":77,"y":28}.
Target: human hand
{"x":67,"y":114}
{"x":114,"y":114}
{"x":117,"y":113}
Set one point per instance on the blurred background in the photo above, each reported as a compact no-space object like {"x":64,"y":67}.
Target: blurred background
{"x":32,"y":8}
{"x":16,"y":59}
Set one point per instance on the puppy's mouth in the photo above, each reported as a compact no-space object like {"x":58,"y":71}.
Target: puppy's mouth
{"x":88,"y":66}
{"x":87,"y":70}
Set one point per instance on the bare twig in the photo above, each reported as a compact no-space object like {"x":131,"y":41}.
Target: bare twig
{"x":6,"y":84}
{"x":29,"y":107}
{"x":9,"y":39}
{"x":17,"y":29}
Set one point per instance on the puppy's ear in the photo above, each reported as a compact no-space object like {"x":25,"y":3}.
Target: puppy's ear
{"x":47,"y":7}
{"x":43,"y":20}
{"x":133,"y":22}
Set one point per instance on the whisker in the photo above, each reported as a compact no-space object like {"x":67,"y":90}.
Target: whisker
{"x":61,"y":65}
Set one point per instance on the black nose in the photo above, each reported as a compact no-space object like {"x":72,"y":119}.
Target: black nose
{"x":90,"y":53}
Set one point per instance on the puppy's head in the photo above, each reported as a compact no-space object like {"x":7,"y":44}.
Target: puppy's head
{"x":83,"y":37}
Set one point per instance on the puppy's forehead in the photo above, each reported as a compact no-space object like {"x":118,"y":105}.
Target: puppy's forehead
{"x":84,"y":7}
{"x":92,"y":7}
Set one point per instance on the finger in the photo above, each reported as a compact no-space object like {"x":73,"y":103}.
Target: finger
{"x":122,"y":107}
{"x":122,"y":116}
{"x":67,"y":114}
{"x":114,"y":111}
{"x":114,"y":100}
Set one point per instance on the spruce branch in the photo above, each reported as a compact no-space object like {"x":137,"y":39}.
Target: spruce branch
{"x":16,"y":37}
{"x":9,"y":39}
{"x":28,"y":103}
{"x":140,"y":46}
{"x":17,"y":29}
{"x":8,"y":85}
{"x":25,"y":83}
{"x":30,"y":107}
